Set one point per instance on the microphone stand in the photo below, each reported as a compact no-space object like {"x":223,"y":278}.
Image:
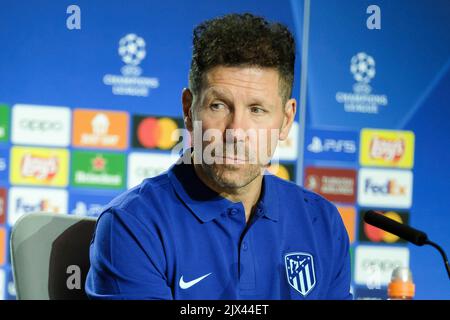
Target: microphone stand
{"x":444,"y":256}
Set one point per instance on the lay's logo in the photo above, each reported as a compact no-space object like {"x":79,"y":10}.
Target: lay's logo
{"x":387,"y":148}
{"x":39,"y":166}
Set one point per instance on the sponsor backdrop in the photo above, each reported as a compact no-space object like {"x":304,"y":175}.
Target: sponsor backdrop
{"x":377,"y":96}
{"x":88,"y":112}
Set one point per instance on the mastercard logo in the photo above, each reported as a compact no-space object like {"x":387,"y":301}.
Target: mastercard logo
{"x":156,"y":133}
{"x":375,"y":234}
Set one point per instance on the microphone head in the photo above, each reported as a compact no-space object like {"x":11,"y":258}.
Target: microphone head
{"x":405,"y":232}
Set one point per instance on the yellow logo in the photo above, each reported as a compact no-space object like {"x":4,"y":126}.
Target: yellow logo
{"x":280,"y":171}
{"x":39,"y":166}
{"x":387,"y":148}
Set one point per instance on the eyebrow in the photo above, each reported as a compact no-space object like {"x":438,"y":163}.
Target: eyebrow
{"x":213,"y":92}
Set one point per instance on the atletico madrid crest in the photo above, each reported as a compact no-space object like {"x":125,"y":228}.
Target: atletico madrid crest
{"x":300,"y":272}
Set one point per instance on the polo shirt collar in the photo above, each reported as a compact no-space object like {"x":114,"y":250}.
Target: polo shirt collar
{"x":269,"y":197}
{"x":207,"y":204}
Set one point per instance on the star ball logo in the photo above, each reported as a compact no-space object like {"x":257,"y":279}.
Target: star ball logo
{"x":132,"y":50}
{"x":362,"y":67}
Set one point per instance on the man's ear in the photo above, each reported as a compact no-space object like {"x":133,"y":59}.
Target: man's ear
{"x":290,"y":108}
{"x":187,"y":100}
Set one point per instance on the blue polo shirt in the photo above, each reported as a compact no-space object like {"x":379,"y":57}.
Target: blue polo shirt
{"x":172,"y":237}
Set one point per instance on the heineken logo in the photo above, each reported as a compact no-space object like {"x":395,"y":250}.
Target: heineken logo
{"x":98,"y":170}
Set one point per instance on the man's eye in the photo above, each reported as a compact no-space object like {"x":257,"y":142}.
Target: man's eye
{"x":257,"y":110}
{"x":217,"y":106}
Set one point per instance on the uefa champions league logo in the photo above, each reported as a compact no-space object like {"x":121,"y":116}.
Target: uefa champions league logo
{"x":132,"y":50}
{"x":362,"y":67}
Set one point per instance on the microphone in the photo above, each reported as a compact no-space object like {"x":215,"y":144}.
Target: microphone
{"x":419,"y":238}
{"x":408,"y":233}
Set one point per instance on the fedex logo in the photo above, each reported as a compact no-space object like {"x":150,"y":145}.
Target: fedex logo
{"x":35,"y":200}
{"x":385,"y":188}
{"x":22,"y":206}
{"x":331,"y":145}
{"x":390,"y":187}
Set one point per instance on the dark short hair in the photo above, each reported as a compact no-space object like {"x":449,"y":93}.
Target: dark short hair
{"x":243,"y":40}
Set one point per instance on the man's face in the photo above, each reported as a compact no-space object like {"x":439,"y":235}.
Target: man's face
{"x":241,"y":116}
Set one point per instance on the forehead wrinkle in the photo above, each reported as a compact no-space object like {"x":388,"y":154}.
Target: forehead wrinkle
{"x":237,"y":82}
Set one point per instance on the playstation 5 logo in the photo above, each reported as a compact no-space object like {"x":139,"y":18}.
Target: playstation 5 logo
{"x":331,"y":145}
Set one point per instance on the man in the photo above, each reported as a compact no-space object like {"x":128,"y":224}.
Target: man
{"x":216,"y":225}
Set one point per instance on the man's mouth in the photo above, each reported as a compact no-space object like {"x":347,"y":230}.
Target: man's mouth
{"x":231,"y":160}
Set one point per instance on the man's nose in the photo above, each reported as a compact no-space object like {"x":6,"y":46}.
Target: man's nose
{"x":237,"y":126}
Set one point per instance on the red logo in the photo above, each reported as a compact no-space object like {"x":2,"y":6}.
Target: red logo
{"x":2,"y":205}
{"x":98,"y":163}
{"x":337,"y":185}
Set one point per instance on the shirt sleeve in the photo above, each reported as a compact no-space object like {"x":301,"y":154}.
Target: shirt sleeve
{"x":127,"y":260}
{"x":340,"y":285}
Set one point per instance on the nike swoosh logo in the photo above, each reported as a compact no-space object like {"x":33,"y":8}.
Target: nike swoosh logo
{"x":187,"y":285}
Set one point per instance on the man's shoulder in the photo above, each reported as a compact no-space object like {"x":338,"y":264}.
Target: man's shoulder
{"x":150,"y":191}
{"x":289,"y":189}
{"x":297,"y":195}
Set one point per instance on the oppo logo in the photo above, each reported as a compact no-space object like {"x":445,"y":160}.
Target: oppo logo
{"x":383,"y":265}
{"x":149,"y":171}
{"x":41,"y":125}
